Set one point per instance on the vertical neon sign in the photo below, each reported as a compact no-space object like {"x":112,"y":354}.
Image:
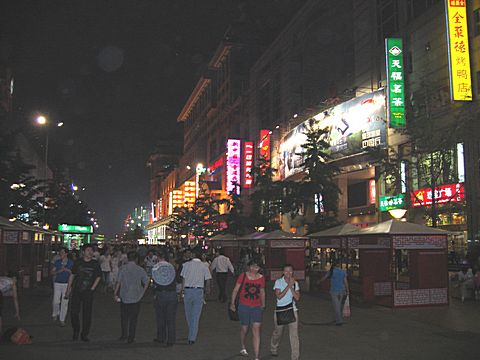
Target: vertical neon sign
{"x":395,"y":83}
{"x":233,"y":167}
{"x":265,"y":144}
{"x":248,"y":154}
{"x":458,"y":50}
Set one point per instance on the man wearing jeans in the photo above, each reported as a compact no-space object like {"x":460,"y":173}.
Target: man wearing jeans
{"x":132,"y":283}
{"x":61,"y":272}
{"x":194,"y":274}
{"x":287,"y":291}
{"x":338,"y":289}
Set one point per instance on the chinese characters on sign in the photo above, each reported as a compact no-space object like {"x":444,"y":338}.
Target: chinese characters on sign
{"x":395,"y":83}
{"x":392,"y":202}
{"x":459,"y":54}
{"x":248,"y":154}
{"x":233,"y":165}
{"x":443,"y":194}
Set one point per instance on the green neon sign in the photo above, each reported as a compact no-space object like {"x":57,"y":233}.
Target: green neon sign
{"x":395,"y":83}
{"x":392,"y":202}
{"x":76,"y":229}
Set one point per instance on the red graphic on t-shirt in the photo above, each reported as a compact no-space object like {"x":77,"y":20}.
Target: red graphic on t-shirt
{"x":250,"y":292}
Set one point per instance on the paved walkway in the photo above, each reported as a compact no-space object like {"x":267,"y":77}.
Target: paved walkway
{"x":372,"y":333}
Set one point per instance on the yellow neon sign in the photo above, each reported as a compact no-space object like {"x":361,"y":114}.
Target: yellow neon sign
{"x":459,"y":54}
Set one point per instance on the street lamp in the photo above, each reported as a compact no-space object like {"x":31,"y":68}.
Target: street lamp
{"x":397,"y":214}
{"x":43,"y":121}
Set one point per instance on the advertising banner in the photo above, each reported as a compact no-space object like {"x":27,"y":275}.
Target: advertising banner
{"x":264,"y":144}
{"x":353,"y":126}
{"x":443,"y":194}
{"x":248,"y":154}
{"x":458,"y":50}
{"x":392,"y":202}
{"x":234,"y":147}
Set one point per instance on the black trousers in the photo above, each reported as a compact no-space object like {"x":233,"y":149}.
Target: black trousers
{"x":166,"y":310}
{"x":81,"y":300}
{"x":222,"y":285}
{"x":128,"y":318}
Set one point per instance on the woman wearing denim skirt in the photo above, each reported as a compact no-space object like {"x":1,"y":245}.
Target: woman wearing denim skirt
{"x":251,"y":305}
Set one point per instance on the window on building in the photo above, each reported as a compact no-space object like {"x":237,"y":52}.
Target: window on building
{"x":409,"y":62}
{"x":415,"y":8}
{"x":438,"y":167}
{"x":476,"y":22}
{"x":357,"y":194}
{"x":264,"y":106}
{"x":387,"y":18}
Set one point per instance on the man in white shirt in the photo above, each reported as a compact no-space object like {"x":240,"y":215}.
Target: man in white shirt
{"x":222,"y":265}
{"x":194,"y":274}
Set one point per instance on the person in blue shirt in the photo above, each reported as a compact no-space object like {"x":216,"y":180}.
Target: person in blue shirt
{"x":287,"y":291}
{"x":338,"y":289}
{"x":62,"y":268}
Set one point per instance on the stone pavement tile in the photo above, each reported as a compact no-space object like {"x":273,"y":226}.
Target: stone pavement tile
{"x":372,"y":333}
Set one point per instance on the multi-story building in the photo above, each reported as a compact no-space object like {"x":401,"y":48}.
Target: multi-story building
{"x":328,"y":64}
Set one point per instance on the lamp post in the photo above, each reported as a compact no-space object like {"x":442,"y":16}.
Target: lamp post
{"x":43,"y":121}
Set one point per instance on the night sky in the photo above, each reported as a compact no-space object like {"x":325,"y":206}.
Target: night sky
{"x":117,"y":73}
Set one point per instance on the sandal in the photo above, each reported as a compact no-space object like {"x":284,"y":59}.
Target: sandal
{"x":243,"y":352}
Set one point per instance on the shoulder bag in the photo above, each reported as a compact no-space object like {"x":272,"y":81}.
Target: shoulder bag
{"x":233,"y":315}
{"x":285,"y":314}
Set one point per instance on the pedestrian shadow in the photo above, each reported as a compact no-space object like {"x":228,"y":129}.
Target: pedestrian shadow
{"x":328,"y":323}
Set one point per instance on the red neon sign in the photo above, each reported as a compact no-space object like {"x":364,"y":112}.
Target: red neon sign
{"x":443,"y":194}
{"x":372,"y":191}
{"x":248,"y":163}
{"x":218,"y":163}
{"x":265,"y":144}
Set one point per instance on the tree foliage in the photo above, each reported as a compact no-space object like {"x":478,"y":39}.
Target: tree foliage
{"x":20,"y":191}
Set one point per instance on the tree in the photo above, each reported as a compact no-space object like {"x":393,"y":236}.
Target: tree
{"x":266,"y":200}
{"x":318,"y":186}
{"x":20,"y":191}
{"x":62,"y":206}
{"x":135,"y":234}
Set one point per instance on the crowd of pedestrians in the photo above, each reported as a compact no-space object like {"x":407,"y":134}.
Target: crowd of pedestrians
{"x":174,"y":275}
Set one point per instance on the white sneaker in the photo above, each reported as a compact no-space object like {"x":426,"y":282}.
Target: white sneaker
{"x":243,"y":352}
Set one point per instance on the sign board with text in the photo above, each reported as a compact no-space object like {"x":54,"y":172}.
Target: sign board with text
{"x":458,"y":50}
{"x":76,"y":229}
{"x":392,"y":202}
{"x":443,"y":194}
{"x":395,"y":83}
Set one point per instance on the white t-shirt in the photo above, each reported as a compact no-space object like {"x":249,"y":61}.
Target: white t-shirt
{"x":105,"y":263}
{"x":281,"y":284}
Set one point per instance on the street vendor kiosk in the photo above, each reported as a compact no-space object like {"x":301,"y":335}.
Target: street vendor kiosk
{"x":403,"y":264}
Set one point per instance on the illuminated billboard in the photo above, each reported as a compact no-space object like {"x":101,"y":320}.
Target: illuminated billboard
{"x":233,"y":168}
{"x":395,"y":83}
{"x":248,"y":155}
{"x":264,"y":144}
{"x":392,"y":202}
{"x":443,"y":194}
{"x":458,"y":50}
{"x":75,"y":229}
{"x":353,"y":126}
